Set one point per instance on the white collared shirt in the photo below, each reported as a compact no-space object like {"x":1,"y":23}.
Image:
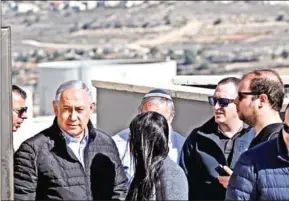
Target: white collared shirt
{"x":77,"y":146}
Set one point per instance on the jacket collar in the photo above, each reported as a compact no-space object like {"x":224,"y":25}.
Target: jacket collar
{"x":210,"y":129}
{"x":55,"y":133}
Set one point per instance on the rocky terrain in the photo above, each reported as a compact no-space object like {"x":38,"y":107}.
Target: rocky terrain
{"x":204,"y":37}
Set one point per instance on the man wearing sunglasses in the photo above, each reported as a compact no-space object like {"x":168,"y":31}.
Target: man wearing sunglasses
{"x":18,"y":107}
{"x":262,"y":173}
{"x":260,"y":99}
{"x":217,"y":143}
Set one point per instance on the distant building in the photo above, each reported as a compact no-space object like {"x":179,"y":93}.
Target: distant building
{"x":20,"y":7}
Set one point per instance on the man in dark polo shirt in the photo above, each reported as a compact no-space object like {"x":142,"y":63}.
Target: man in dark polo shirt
{"x":260,"y":99}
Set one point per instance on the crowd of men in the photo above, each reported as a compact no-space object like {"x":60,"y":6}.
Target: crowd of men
{"x":241,"y":153}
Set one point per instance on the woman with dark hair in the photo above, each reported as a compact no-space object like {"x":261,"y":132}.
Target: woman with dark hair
{"x":156,"y":176}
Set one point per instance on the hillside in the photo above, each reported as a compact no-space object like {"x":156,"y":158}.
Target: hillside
{"x":204,"y":37}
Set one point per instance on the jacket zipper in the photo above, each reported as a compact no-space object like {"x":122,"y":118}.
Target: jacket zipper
{"x":84,"y":168}
{"x":220,"y":151}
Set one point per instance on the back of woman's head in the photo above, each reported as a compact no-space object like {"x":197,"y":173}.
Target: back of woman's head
{"x":149,"y":144}
{"x":149,"y":135}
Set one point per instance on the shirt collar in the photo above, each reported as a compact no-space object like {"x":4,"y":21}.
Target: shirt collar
{"x":69,"y":139}
{"x":269,"y":129}
{"x":236,"y":134}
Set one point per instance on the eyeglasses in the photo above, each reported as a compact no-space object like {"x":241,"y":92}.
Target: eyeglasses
{"x":286,"y":128}
{"x":223,"y":102}
{"x":21,"y":110}
{"x":241,"y":94}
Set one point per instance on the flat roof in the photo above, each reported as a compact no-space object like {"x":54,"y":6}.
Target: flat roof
{"x":176,"y":91}
{"x":78,"y":63}
{"x":210,"y":79}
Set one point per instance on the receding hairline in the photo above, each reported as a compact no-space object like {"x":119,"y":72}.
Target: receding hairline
{"x":227,"y":83}
{"x":263,"y":74}
{"x":74,"y":91}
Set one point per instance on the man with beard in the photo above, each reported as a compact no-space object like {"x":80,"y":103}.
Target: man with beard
{"x":217,"y":143}
{"x":260,"y":99}
{"x":262,"y":173}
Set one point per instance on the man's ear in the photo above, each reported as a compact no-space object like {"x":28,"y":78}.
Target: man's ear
{"x":172,"y":116}
{"x":263,"y":98}
{"x":139,"y":109}
{"x":92,"y":107}
{"x":55,"y":107}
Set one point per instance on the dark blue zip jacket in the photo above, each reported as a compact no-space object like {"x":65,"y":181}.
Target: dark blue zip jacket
{"x":262,"y":173}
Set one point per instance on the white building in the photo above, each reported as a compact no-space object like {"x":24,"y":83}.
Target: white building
{"x":52,"y":74}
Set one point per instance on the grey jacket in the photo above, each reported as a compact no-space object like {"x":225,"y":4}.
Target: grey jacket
{"x":173,"y":183}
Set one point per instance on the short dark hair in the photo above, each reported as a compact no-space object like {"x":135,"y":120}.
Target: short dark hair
{"x":234,"y":80}
{"x":269,"y":82}
{"x":20,"y":91}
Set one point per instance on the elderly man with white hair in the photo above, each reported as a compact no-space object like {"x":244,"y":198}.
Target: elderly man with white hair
{"x":157,"y":100}
{"x":70,"y":160}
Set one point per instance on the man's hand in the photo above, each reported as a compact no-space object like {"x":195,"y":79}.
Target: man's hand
{"x":224,"y":180}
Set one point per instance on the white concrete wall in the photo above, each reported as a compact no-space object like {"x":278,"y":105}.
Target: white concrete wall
{"x":52,"y":74}
{"x":116,"y":109}
{"x":49,"y":81}
{"x":161,"y":72}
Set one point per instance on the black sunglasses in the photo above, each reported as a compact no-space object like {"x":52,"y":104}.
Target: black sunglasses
{"x":223,"y":102}
{"x":21,"y":110}
{"x":241,"y":94}
{"x":286,"y":128}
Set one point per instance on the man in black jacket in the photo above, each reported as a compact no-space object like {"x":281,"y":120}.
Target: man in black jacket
{"x":220,"y":141}
{"x":260,"y":99}
{"x":71,"y":160}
